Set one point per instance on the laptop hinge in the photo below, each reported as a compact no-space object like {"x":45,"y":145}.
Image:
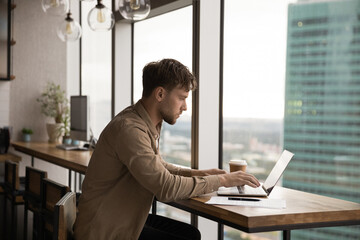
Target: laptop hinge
{"x":267,"y":192}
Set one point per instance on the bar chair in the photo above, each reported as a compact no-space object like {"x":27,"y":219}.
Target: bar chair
{"x":14,"y":188}
{"x":65,"y":215}
{"x":32,"y":198}
{"x":51,"y":194}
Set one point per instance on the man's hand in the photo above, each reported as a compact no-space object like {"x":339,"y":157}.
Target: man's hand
{"x":207,"y":172}
{"x":238,"y":178}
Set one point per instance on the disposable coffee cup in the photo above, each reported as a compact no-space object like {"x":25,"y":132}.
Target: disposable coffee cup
{"x":237,"y":165}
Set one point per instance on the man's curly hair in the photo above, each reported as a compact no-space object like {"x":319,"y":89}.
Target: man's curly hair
{"x":167,"y":73}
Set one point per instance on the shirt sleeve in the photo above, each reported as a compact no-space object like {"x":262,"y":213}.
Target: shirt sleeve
{"x":186,"y":172}
{"x":148,"y":168}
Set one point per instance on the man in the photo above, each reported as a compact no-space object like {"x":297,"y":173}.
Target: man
{"x":126,"y":170}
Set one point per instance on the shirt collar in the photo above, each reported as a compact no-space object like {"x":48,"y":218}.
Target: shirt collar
{"x":155,"y":130}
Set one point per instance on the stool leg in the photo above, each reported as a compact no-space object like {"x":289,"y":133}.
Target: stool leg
{"x":36,"y":223}
{"x":40,"y":233}
{"x":4,"y":218}
{"x":25,"y":220}
{"x":13,"y":220}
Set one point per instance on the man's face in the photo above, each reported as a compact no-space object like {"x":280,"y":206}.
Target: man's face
{"x":173,"y":105}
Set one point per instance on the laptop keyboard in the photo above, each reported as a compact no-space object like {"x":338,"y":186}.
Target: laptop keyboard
{"x":241,"y":189}
{"x":250,"y":190}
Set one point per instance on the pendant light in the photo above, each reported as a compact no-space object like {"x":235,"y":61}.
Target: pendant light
{"x":100,"y":18}
{"x":69,"y":29}
{"x":134,"y":9}
{"x":55,"y":7}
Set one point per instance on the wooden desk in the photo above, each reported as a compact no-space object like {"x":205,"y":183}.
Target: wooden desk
{"x":304,"y":210}
{"x":72,"y":160}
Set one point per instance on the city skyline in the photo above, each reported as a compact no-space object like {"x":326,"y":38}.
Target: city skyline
{"x":321,"y":124}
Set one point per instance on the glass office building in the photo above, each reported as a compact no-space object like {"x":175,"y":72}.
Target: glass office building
{"x":322,"y":105}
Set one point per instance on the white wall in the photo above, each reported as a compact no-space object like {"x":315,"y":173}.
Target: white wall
{"x":122,"y":66}
{"x":73,"y":57}
{"x":4,"y":103}
{"x":209,"y":97}
{"x":38,"y":57}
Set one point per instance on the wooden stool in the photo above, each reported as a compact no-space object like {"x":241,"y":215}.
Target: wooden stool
{"x":14,"y":187}
{"x":32,"y":198}
{"x":3,"y":157}
{"x":65,"y":215}
{"x":51,"y":194}
{"x":10,"y":156}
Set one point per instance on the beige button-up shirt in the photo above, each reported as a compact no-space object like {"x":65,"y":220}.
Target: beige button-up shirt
{"x":125,"y":172}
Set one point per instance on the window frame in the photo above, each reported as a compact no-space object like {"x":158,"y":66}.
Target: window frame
{"x":158,"y":8}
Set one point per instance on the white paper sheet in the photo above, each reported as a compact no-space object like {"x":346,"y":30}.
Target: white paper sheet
{"x":263,"y":203}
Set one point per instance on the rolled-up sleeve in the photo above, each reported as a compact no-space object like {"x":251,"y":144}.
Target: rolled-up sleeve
{"x":186,"y":172}
{"x":166,"y":181}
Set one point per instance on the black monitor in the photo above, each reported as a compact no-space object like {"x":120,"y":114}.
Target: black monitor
{"x":79,"y":118}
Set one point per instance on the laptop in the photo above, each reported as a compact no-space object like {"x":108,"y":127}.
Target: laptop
{"x":67,"y":147}
{"x":264,"y":189}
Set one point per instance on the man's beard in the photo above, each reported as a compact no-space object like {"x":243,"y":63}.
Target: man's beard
{"x":168,"y":118}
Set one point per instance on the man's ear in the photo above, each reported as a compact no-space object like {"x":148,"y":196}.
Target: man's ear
{"x":160,"y":93}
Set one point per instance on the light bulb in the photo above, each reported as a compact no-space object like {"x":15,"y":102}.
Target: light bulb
{"x":55,"y":7}
{"x":134,"y":9}
{"x":54,"y":3}
{"x":69,"y":30}
{"x":135,"y":4}
{"x":100,"y":18}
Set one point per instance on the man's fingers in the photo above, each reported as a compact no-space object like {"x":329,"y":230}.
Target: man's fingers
{"x":250,"y":180}
{"x":251,"y":184}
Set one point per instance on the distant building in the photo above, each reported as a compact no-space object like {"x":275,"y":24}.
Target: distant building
{"x":322,"y":108}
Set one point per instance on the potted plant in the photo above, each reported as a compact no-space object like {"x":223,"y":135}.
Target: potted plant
{"x":66,"y":127}
{"x":27,"y":134}
{"x":54,"y":104}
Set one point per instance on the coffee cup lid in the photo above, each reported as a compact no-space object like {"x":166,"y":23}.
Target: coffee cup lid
{"x":238,"y":162}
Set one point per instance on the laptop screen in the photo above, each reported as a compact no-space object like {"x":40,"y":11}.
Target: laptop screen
{"x":277,"y":170}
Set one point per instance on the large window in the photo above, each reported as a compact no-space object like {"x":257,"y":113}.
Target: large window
{"x":253,"y":88}
{"x":312,"y":48}
{"x":322,"y":124}
{"x":96,"y":70}
{"x":167,"y":36}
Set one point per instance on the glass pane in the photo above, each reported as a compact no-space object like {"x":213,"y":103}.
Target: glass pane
{"x":167,"y":36}
{"x":322,"y":124}
{"x":253,"y":94}
{"x":96,"y":70}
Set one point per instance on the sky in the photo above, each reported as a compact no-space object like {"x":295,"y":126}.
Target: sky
{"x":254,"y":58}
{"x":254,"y":54}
